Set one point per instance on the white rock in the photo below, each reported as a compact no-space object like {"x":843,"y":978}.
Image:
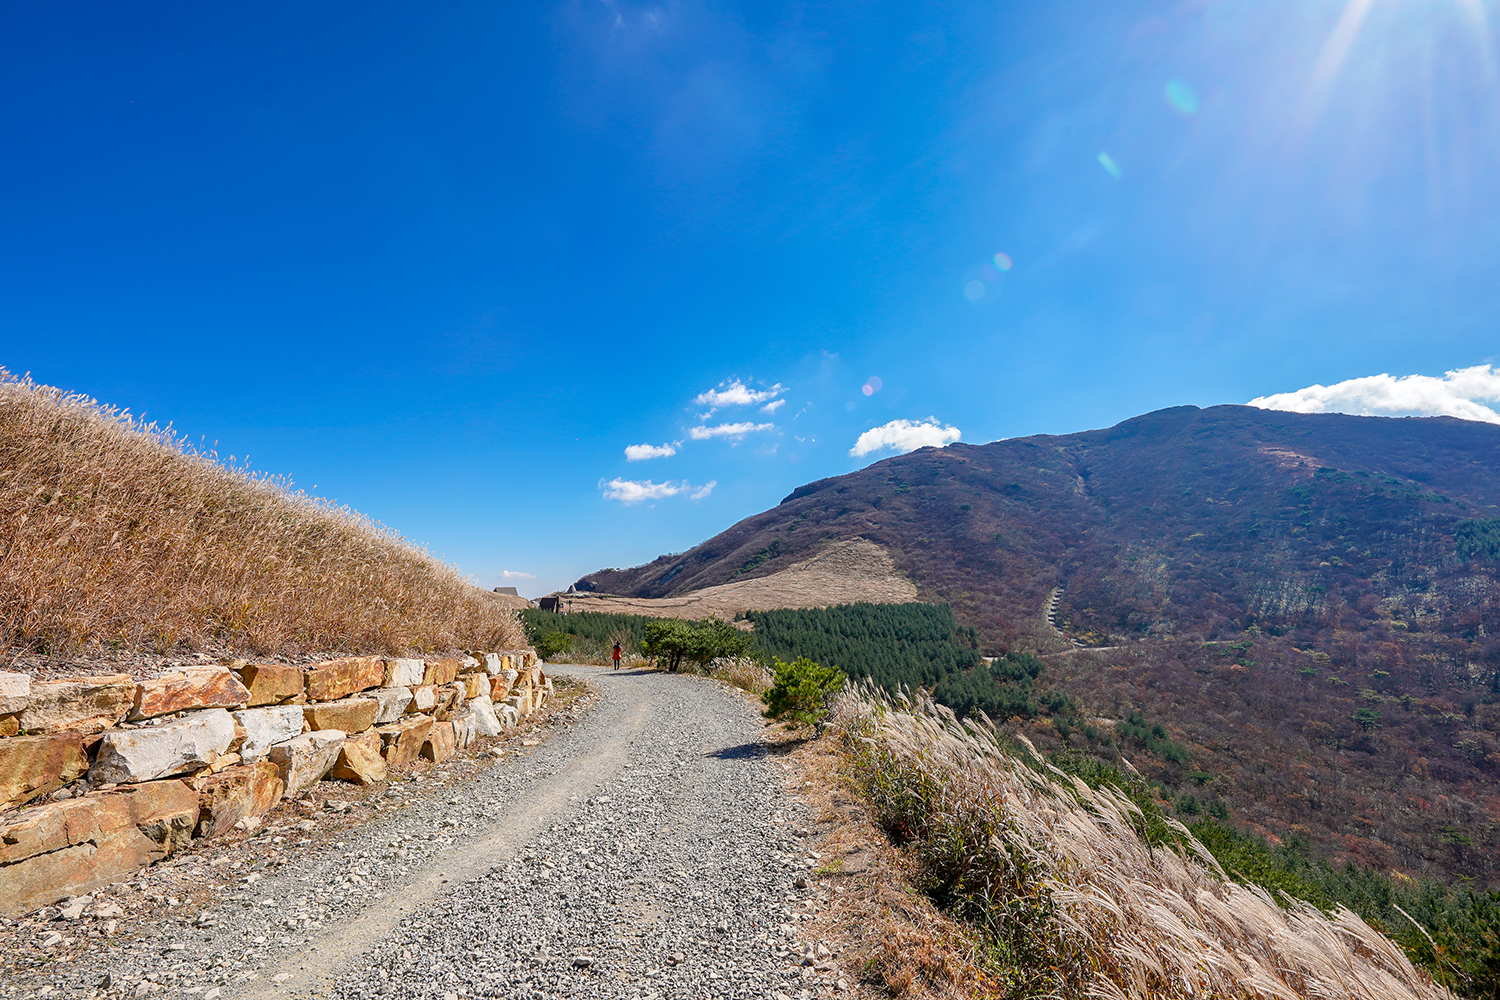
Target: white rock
{"x":509,"y":716}
{"x":486,"y":723}
{"x":467,"y":665}
{"x":393,"y":701}
{"x":493,"y":664}
{"x":424,"y":698}
{"x":265,"y":727}
{"x":304,"y":760}
{"x":463,"y":727}
{"x":188,"y":744}
{"x":15,"y":691}
{"x":404,"y":673}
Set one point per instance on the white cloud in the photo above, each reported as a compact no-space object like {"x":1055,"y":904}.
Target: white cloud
{"x":630,"y":491}
{"x":903,"y":436}
{"x":735,"y":393}
{"x":511,"y":574}
{"x":641,"y":452}
{"x":1457,"y":393}
{"x":771,"y":408}
{"x":727,"y":430}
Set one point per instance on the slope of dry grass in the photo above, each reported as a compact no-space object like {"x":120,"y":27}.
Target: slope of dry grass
{"x":1075,"y":902}
{"x":117,"y":534}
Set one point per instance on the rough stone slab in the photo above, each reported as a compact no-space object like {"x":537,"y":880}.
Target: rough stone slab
{"x":188,"y":744}
{"x":342,"y":677}
{"x":493,"y":664}
{"x":351,"y":715}
{"x":10,"y":725}
{"x":463,"y":727}
{"x":67,"y":848}
{"x":401,"y":742}
{"x":32,"y":766}
{"x":475,"y":685}
{"x":229,"y":796}
{"x":79,"y":704}
{"x":441,"y":671}
{"x":188,"y":689}
{"x":502,"y":684}
{"x":304,"y":760}
{"x":423,"y":699}
{"x":486,"y":722}
{"x":449,"y":698}
{"x":359,"y":760}
{"x":392,"y":701}
{"x":271,"y":683}
{"x":265,"y":727}
{"x":468,"y":664}
{"x":15,"y":692}
{"x":440,"y":743}
{"x":404,"y":672}
{"x":508,"y":716}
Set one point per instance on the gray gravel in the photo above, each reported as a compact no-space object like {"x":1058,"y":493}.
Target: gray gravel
{"x":647,"y":850}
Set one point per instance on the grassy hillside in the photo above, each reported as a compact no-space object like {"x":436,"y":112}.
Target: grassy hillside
{"x":118,"y":535}
{"x":1308,"y":604}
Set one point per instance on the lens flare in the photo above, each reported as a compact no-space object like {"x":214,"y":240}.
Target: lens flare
{"x":974,"y":290}
{"x":1110,"y":166}
{"x":1182,"y":97}
{"x":871,"y":387}
{"x":1003,"y":261}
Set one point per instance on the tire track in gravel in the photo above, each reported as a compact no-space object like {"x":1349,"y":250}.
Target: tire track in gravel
{"x":337,"y":947}
{"x":645,"y":852}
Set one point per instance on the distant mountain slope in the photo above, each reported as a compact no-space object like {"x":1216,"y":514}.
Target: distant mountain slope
{"x":1299,"y":598}
{"x":1185,"y":520}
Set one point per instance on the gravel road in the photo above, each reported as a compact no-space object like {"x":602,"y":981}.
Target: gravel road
{"x":647,"y":850}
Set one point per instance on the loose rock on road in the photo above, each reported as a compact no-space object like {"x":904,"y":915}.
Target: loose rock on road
{"x":649,"y":850}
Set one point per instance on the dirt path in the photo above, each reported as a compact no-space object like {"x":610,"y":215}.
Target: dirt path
{"x":647,"y":850}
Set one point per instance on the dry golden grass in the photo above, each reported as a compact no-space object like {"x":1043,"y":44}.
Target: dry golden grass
{"x":117,"y":534}
{"x":1075,"y":903}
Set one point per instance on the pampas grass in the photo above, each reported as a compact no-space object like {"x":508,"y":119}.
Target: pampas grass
{"x":117,"y":532}
{"x":1076,"y":902}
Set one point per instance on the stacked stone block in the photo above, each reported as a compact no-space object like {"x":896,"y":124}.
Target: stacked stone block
{"x":137,"y":769}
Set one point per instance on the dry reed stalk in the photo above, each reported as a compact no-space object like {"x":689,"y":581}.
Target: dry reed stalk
{"x":117,"y":532}
{"x":1058,"y":872}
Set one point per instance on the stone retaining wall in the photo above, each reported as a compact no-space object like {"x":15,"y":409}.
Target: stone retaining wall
{"x":135,"y":770}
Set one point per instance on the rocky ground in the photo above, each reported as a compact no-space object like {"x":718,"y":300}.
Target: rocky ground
{"x":649,"y":848}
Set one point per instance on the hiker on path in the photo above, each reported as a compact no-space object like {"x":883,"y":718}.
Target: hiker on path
{"x":617,"y":656}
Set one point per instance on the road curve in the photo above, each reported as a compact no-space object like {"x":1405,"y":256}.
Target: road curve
{"x":644,"y":851}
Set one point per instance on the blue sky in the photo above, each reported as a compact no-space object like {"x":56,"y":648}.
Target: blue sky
{"x":446,"y":262}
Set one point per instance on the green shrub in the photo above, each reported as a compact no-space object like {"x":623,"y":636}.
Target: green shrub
{"x":802,"y":690}
{"x":552,"y":644}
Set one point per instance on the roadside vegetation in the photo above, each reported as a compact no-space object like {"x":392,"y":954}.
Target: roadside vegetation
{"x":1077,"y":891}
{"x":118,"y":535}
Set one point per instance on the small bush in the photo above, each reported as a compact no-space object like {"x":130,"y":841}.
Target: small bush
{"x":801,"y":690}
{"x":553,"y":644}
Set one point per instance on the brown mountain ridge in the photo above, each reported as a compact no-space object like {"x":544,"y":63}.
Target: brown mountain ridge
{"x":1307,"y":602}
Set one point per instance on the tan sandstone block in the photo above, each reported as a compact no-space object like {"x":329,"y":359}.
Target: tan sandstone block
{"x":342,"y":677}
{"x":450,"y":697}
{"x":440,"y":743}
{"x":351,"y":715}
{"x":271,"y":683}
{"x":305,"y":759}
{"x":79,"y":704}
{"x":228,"y":797}
{"x":475,"y":685}
{"x":401,"y":742}
{"x":66,"y":848}
{"x":32,"y":766}
{"x":441,"y":671}
{"x":423,"y":698}
{"x":187,"y":689}
{"x":15,"y":692}
{"x":10,"y":725}
{"x":360,"y":761}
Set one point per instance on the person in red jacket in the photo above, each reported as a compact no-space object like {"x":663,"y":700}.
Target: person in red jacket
{"x":617,"y":656}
